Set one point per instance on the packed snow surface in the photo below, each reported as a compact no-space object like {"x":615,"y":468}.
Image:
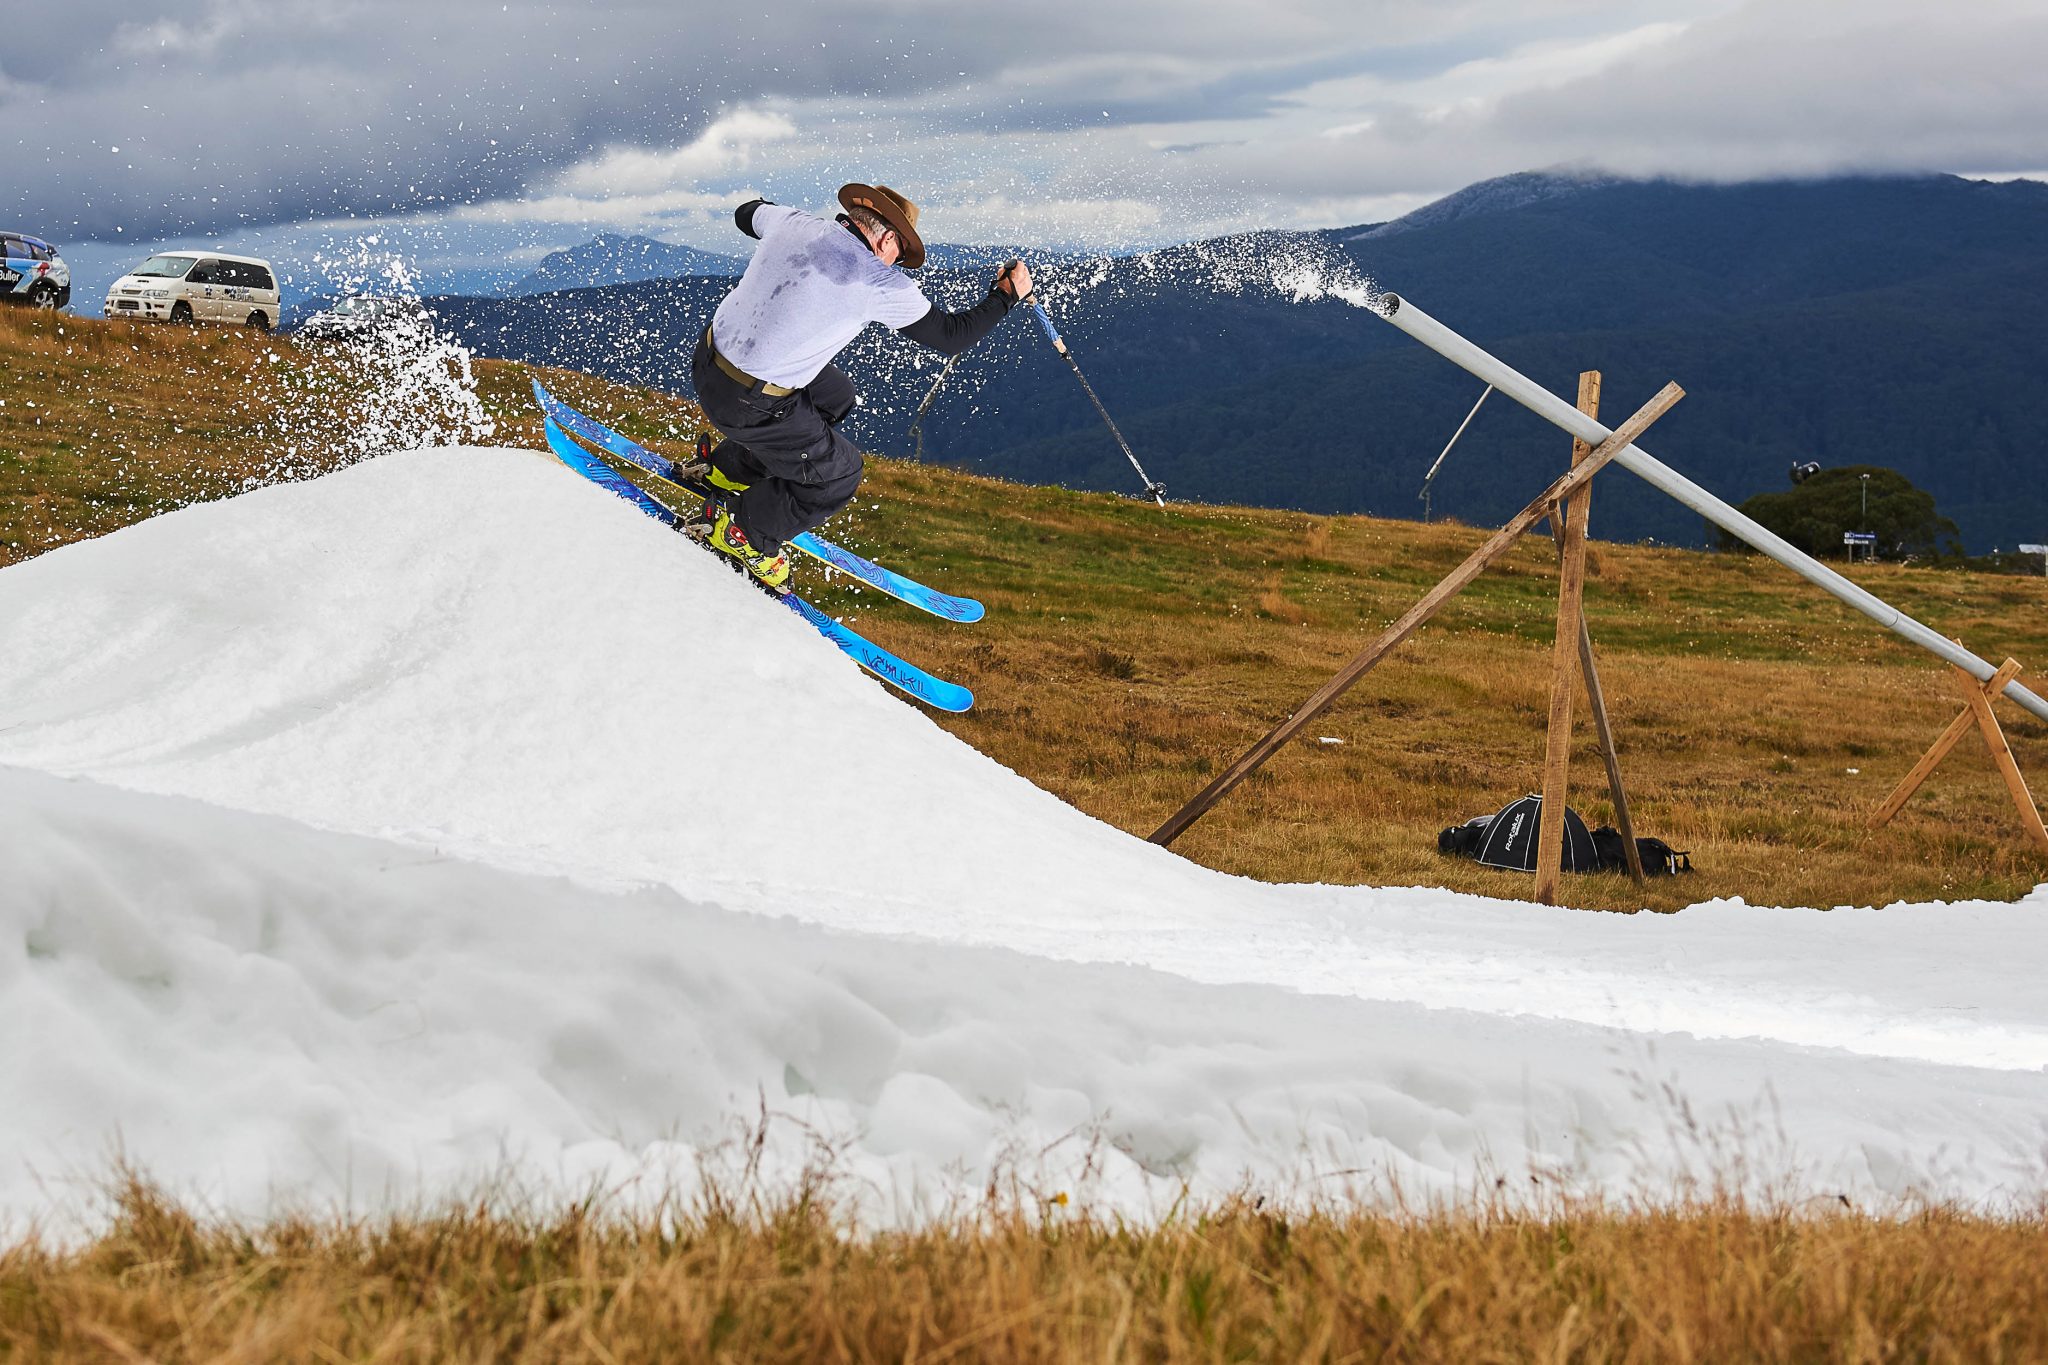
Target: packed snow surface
{"x":367,"y":836}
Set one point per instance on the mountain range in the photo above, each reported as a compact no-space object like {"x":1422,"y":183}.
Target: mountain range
{"x":1890,"y":321}
{"x":618,"y":258}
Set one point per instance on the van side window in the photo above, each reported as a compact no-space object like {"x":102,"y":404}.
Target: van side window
{"x":206,"y":272}
{"x":259,"y":278}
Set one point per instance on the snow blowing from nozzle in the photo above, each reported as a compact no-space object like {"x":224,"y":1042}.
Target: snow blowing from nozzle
{"x":1076,"y":289}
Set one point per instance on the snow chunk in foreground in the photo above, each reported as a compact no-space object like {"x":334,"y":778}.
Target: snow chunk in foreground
{"x":265,"y":1012}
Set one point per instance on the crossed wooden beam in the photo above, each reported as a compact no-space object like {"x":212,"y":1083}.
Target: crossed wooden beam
{"x":1976,"y":710}
{"x":1567,"y":514}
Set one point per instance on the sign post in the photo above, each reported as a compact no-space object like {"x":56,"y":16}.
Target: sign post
{"x":1867,"y":540}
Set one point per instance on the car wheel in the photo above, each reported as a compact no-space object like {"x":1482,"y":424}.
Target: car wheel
{"x":257,"y":322}
{"x":181,"y":311}
{"x":43,"y":295}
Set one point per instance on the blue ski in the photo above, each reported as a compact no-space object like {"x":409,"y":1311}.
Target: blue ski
{"x":904,"y":676}
{"x":817,"y":547}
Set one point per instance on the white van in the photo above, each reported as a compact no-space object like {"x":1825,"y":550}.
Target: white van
{"x":198,"y":286}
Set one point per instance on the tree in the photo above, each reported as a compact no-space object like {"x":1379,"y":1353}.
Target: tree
{"x":1814,"y":514}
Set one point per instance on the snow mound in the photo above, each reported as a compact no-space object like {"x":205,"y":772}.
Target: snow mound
{"x":585,"y":849}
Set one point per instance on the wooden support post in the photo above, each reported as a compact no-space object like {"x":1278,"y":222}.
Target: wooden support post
{"x":1950,"y":737}
{"x":1557,"y":738}
{"x":1597,"y":700}
{"x":1596,"y":695}
{"x":1496,"y":545}
{"x":2001,"y":754}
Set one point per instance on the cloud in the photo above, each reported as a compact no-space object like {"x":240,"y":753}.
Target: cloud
{"x":1050,"y":222}
{"x":725,"y":148}
{"x":1147,"y":118}
{"x":1784,"y":88}
{"x":1808,"y":87}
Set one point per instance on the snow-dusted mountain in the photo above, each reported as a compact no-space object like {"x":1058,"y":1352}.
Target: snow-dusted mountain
{"x":1502,"y":194}
{"x":619,"y":258}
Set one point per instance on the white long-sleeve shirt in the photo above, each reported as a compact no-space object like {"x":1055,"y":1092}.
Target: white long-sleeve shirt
{"x":810,"y":288}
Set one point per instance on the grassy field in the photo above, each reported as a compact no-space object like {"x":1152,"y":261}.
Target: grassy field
{"x":1130,"y":653}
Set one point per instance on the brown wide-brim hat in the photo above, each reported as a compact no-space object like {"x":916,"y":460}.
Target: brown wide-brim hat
{"x":896,"y":211}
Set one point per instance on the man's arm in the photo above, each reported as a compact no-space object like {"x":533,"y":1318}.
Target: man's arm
{"x":743,"y":217}
{"x":951,"y":333}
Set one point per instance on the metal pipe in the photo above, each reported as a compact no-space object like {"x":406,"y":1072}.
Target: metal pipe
{"x":1430,"y":477}
{"x":1645,"y":466}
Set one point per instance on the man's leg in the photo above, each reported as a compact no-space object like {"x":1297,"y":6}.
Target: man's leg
{"x":799,"y":468}
{"x":735,"y":465}
{"x":810,"y":471}
{"x":803,"y":487}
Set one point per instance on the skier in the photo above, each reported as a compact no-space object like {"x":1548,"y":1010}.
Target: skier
{"x":764,"y":372}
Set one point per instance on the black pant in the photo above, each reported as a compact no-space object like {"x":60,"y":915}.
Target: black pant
{"x":788,"y":450}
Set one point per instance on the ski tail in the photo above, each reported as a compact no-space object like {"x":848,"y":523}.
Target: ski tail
{"x":906,"y":677}
{"x":909,"y":590}
{"x":602,"y":436}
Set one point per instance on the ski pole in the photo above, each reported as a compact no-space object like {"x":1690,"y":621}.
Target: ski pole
{"x":1052,"y":333}
{"x":917,"y":422}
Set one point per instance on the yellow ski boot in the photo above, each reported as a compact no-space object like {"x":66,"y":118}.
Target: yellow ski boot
{"x":727,"y":538}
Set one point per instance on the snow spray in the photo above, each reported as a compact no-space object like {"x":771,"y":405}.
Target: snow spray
{"x":395,"y":383}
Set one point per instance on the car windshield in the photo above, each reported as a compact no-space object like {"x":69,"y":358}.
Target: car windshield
{"x":172,"y":266}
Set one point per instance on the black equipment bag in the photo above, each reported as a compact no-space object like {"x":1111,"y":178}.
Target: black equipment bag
{"x":1507,"y":839}
{"x":1510,"y":838}
{"x":1659,"y":858}
{"x":1463,"y":840}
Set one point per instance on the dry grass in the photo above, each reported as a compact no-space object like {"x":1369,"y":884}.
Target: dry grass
{"x":104,"y":423}
{"x":1759,"y":722}
{"x":728,"y":1280}
{"x":1129,"y":652}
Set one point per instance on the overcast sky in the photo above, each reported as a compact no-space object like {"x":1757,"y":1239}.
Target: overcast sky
{"x":1071,"y":122}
